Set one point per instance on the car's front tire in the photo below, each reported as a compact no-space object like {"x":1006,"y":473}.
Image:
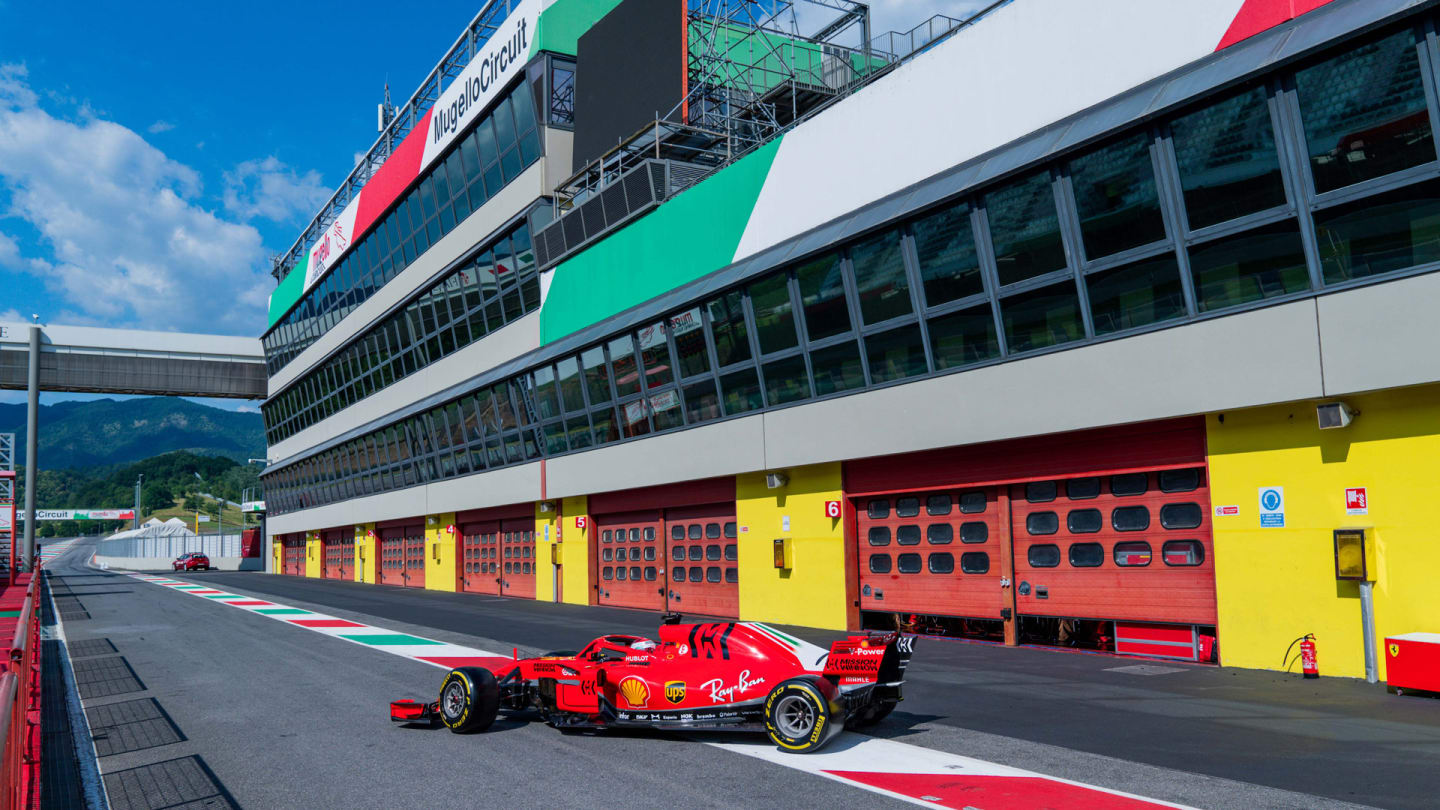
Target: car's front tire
{"x":469,"y":699}
{"x":800,"y":717}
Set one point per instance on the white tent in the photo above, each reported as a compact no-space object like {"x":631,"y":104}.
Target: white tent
{"x":174,"y":527}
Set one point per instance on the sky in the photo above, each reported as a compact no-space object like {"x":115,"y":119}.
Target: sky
{"x":154,"y":156}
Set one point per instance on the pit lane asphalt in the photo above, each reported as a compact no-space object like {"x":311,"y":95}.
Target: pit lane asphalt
{"x":283,"y":709}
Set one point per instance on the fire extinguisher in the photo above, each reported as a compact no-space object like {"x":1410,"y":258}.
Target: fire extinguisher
{"x":1308,"y":664}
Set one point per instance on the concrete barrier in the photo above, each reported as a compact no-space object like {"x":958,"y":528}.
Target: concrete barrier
{"x":163,"y":563}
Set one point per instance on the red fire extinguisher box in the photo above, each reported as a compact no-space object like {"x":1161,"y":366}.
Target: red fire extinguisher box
{"x":1412,"y":661}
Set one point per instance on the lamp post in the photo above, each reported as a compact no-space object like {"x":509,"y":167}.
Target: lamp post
{"x":139,"y":482}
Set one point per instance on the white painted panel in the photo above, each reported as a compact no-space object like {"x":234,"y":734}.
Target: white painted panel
{"x":500,"y":487}
{"x":1381,"y":336}
{"x":1027,"y":65}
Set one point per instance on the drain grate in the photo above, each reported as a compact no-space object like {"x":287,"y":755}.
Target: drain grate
{"x":133,"y":725}
{"x":1146,"y":669}
{"x":102,"y":677}
{"x":174,"y":784}
{"x":93,"y":646}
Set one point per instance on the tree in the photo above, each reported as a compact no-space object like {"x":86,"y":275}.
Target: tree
{"x":157,"y":495}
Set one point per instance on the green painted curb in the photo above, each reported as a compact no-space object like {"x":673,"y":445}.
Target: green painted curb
{"x":389,"y":639}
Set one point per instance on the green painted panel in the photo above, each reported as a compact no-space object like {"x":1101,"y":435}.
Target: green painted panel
{"x":389,"y":639}
{"x":282,"y":611}
{"x":695,"y":233}
{"x":287,"y":293}
{"x":564,"y":21}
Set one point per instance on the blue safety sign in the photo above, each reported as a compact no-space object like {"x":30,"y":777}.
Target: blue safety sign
{"x":1272,"y":507}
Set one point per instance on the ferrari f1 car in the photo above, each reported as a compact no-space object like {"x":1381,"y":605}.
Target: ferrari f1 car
{"x":733,"y":676}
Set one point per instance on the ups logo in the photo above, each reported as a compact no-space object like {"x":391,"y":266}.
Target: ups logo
{"x":675,"y":691}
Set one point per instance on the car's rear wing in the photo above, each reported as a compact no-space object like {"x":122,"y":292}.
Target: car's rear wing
{"x":872,"y":658}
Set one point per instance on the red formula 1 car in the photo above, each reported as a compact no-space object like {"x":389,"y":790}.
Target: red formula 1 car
{"x":734,"y":676}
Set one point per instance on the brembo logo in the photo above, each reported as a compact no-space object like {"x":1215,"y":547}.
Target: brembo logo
{"x":492,"y":72}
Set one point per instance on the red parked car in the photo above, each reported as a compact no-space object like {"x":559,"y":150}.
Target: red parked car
{"x":737,"y":676}
{"x":191,"y":561}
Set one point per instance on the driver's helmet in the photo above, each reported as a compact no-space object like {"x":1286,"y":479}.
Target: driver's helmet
{"x":643,"y":645}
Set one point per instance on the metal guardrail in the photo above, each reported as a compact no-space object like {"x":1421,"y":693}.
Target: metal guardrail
{"x":20,"y":709}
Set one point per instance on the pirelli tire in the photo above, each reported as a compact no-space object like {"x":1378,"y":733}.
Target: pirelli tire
{"x":469,"y":699}
{"x":801,"y":715}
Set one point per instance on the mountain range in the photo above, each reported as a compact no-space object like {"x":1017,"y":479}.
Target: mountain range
{"x":107,"y":432}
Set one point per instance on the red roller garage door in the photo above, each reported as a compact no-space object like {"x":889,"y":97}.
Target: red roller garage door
{"x":293,"y":551}
{"x":339,"y":554}
{"x":1111,"y":525}
{"x":517,"y":554}
{"x":480,"y":557}
{"x":632,"y":568}
{"x":704,"y":578}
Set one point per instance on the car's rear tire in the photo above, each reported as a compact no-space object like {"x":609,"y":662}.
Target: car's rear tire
{"x":469,"y":699}
{"x":800,"y":716}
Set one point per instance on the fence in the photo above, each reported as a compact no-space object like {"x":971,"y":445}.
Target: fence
{"x":212,"y":545}
{"x":20,"y":708}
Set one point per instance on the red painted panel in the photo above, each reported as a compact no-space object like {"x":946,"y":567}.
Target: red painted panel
{"x":704,"y":575}
{"x":392,"y":178}
{"x":1412,"y":661}
{"x":1152,"y":445}
{"x":1262,"y":15}
{"x":337,"y":559}
{"x":322,"y":622}
{"x":996,"y":792}
{"x":684,"y":493}
{"x":293,"y":554}
{"x":251,"y":603}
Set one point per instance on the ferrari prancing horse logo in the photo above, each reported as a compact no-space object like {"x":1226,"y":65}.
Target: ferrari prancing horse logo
{"x":1394,"y":650}
{"x":675,"y":691}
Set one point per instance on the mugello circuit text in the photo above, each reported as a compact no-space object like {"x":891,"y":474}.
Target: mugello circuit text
{"x":449,"y":119}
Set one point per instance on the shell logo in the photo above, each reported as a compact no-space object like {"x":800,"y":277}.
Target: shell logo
{"x":635,"y":692}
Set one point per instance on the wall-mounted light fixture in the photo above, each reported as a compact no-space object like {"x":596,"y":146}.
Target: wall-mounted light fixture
{"x":1335,"y":415}
{"x":776,"y":480}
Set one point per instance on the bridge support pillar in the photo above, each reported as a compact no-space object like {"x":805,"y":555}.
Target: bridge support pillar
{"x":32,"y":436}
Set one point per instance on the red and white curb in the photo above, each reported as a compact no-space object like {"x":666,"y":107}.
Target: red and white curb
{"x":910,"y":773}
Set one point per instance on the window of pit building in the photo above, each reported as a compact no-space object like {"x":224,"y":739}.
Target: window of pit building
{"x":1041,"y":318}
{"x":879,"y":563}
{"x":1180,"y":515}
{"x":1364,"y":112}
{"x":1040,"y":491}
{"x":1130,"y":518}
{"x":1182,"y":552}
{"x":963,"y":338}
{"x":1116,"y":197}
{"x":1084,"y":521}
{"x":1227,"y":159}
{"x":907,"y":535}
{"x":1127,"y":484}
{"x":1132,"y":553}
{"x":1135,"y":295}
{"x":1252,"y":266}
{"x":1087,"y":555}
{"x":1025,"y":229}
{"x":1042,"y":523}
{"x":975,"y":562}
{"x":939,"y":534}
{"x":1180,"y":480}
{"x":941,"y":562}
{"x":974,"y":532}
{"x":945,"y":247}
{"x":1380,"y":234}
{"x":878,"y":536}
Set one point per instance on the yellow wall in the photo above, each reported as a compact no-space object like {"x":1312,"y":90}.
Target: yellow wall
{"x":277,"y":551}
{"x":575,"y":554}
{"x":1274,"y":585}
{"x":545,"y":525}
{"x":365,"y":551}
{"x":314,"y":554}
{"x":812,"y":592}
{"x":440,"y":552}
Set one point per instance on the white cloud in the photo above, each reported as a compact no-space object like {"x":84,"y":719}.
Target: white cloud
{"x":9,"y":251}
{"x":159,"y":127}
{"x":129,"y":244}
{"x":269,"y":189}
